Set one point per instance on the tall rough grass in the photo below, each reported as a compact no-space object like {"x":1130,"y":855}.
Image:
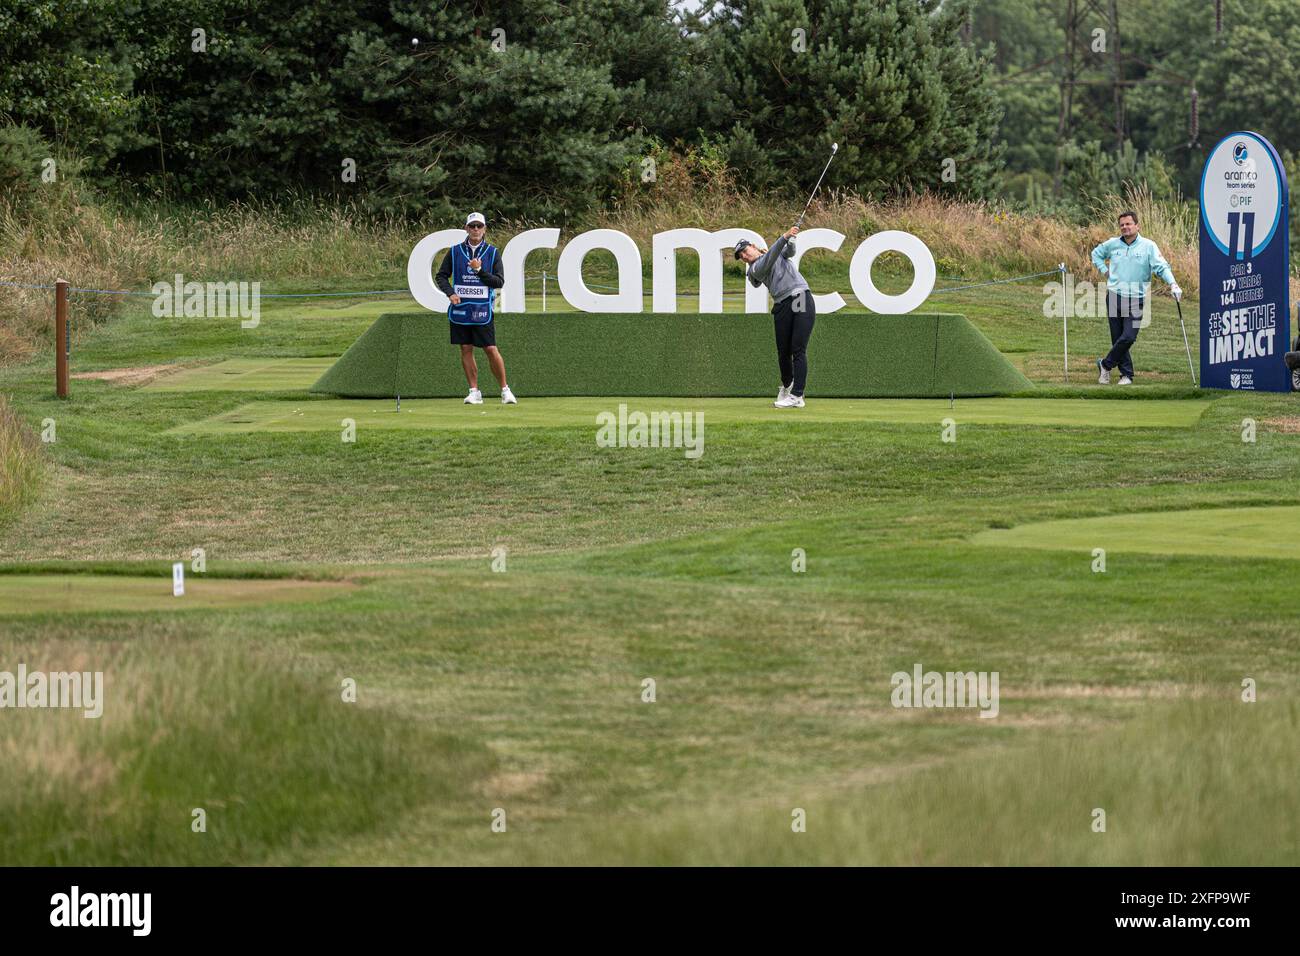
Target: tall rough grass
{"x":967,"y":238}
{"x":99,"y":244}
{"x":268,"y":750}
{"x":20,"y":462}
{"x":1194,"y":783}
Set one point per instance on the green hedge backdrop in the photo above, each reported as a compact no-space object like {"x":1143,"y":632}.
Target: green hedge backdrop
{"x":850,"y":355}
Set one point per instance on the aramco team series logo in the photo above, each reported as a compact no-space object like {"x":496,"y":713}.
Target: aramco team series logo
{"x":1240,"y":154}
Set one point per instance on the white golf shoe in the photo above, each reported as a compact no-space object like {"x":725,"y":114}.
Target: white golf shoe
{"x":1104,"y":377}
{"x":475,"y":397}
{"x":782,"y":395}
{"x":790,"y":401}
{"x":1125,"y":380}
{"x":507,"y":396}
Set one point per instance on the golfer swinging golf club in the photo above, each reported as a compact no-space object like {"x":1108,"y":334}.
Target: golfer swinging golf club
{"x":469,"y":275}
{"x":793,"y":309}
{"x":1127,"y":262}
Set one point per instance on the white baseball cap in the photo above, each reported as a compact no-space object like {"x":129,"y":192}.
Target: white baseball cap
{"x":475,"y":217}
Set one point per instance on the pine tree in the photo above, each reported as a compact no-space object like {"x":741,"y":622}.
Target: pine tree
{"x":892,"y":81}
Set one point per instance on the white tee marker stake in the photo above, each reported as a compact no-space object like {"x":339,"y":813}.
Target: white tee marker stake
{"x":178,"y":579}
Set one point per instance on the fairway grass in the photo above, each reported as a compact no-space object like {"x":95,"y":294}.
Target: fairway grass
{"x":1215,"y":532}
{"x":245,"y":375}
{"x":73,"y":593}
{"x":516,"y":587}
{"x":442,"y":414}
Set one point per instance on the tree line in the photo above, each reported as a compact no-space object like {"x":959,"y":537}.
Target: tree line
{"x":536,"y":108}
{"x":547,"y":109}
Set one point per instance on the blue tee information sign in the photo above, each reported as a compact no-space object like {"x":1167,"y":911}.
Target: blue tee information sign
{"x":1245,"y":265}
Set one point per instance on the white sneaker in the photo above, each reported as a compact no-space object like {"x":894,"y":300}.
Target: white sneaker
{"x":507,"y":396}
{"x":782,"y":395}
{"x":790,"y":401}
{"x":475,"y":397}
{"x":1104,"y":377}
{"x":1125,"y":380}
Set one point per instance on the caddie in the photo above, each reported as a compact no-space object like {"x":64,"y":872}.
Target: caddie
{"x":469,"y":276}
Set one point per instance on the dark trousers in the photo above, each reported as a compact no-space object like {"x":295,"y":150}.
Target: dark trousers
{"x":1125,"y":315}
{"x":794,"y":324}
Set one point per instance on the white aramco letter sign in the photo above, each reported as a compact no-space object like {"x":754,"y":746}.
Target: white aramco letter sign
{"x":707,"y":247}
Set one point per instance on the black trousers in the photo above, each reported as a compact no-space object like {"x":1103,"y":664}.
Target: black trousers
{"x":794,"y":320}
{"x":1125,"y":315}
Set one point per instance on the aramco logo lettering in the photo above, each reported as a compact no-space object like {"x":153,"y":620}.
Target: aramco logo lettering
{"x":708,"y":246}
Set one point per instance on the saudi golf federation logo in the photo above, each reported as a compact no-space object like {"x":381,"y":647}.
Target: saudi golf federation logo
{"x":1240,"y":154}
{"x":1234,"y":380}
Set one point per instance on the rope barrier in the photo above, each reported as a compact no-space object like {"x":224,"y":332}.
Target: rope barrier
{"x":108,"y":291}
{"x":590,"y":285}
{"x":264,"y":295}
{"x":973,"y":285}
{"x":317,"y":295}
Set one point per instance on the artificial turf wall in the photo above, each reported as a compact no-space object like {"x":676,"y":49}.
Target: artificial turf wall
{"x":850,"y":355}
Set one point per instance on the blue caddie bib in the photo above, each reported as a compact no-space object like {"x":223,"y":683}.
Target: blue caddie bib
{"x":476,"y":299}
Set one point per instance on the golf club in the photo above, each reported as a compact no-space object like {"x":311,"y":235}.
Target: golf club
{"x":1185,"y":342}
{"x":835,"y":148}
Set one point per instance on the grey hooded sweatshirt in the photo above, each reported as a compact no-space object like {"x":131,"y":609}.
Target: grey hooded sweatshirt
{"x":775,"y":270}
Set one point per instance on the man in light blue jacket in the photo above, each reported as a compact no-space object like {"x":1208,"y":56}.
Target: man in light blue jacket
{"x":1127,"y":262}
